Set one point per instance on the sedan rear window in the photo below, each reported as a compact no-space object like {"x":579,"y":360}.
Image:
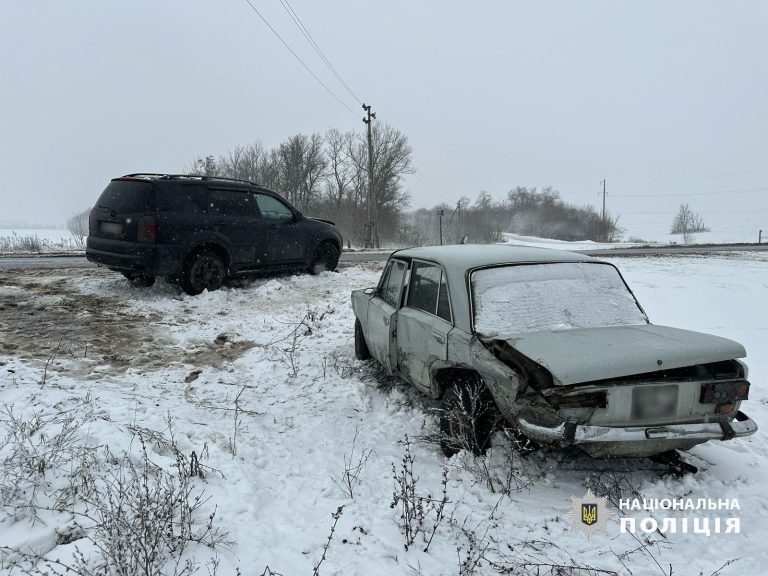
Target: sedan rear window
{"x":127,"y":196}
{"x":533,"y":297}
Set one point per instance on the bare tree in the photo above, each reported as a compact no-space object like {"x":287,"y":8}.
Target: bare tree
{"x":205,"y":166}
{"x":78,"y":226}
{"x":687,"y":222}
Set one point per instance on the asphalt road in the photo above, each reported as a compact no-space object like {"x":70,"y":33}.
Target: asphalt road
{"x":53,"y":262}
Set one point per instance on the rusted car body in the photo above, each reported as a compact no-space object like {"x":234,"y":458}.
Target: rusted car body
{"x":560,"y":343}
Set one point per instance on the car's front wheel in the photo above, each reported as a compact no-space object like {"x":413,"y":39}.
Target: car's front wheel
{"x":361,"y":347}
{"x":468,"y":417}
{"x":325,"y":259}
{"x":205,"y":270}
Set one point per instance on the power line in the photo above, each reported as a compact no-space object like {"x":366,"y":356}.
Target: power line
{"x":676,"y":194}
{"x":705,"y":211}
{"x":688,"y":179}
{"x":424,"y":179}
{"x":312,"y":42}
{"x":307,"y":68}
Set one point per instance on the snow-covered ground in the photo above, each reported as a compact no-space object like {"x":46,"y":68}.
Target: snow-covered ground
{"x":520,"y":240}
{"x":279,"y":399}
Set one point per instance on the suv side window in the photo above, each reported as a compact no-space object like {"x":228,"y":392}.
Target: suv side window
{"x":270,"y":207}
{"x":175,"y":197}
{"x":428,"y":290}
{"x":223,"y":202}
{"x":390,"y":290}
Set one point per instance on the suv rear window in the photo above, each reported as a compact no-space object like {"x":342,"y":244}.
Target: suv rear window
{"x":127,"y":196}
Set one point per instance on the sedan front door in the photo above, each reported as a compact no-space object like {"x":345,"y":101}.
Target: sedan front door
{"x":381,"y":322}
{"x":423,"y":324}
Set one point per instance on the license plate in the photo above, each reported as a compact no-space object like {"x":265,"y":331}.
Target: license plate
{"x":654,"y":401}
{"x":723,"y":392}
{"x":112,"y":228}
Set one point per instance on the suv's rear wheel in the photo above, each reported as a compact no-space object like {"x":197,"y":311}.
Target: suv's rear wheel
{"x":204,"y":270}
{"x":139,"y":280}
{"x":325,"y":259}
{"x":468,"y":418}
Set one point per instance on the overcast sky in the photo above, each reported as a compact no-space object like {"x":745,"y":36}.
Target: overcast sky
{"x":491,"y":94}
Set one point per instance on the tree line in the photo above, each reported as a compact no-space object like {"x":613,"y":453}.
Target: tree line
{"x":527,"y":211}
{"x":326,"y":175}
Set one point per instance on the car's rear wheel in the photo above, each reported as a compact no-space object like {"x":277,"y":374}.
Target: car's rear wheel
{"x":204,"y":270}
{"x":468,"y":417}
{"x":139,"y":280}
{"x":361,"y":347}
{"x":326,"y":258}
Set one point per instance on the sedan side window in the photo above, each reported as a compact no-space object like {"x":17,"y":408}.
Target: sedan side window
{"x":270,"y":207}
{"x":425,"y":287}
{"x":391,"y":292}
{"x":443,"y":304}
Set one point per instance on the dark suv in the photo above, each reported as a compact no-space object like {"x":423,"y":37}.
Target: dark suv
{"x":199,"y":230}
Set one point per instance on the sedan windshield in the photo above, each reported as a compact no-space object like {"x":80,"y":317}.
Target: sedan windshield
{"x":533,"y":297}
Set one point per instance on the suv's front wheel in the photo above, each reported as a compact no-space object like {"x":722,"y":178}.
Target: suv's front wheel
{"x":204,"y":270}
{"x":325,"y":259}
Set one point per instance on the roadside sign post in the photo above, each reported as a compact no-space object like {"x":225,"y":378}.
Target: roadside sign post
{"x":440,"y":212}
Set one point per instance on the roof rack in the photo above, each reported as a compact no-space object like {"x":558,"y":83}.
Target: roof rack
{"x":197,"y":176}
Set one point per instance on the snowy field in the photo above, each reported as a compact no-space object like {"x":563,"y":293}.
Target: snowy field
{"x":261,"y":383}
{"x":726,"y":227}
{"x":37,"y":240}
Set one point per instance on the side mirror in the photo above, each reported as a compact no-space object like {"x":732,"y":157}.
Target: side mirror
{"x":299,"y":216}
{"x":369,"y":291}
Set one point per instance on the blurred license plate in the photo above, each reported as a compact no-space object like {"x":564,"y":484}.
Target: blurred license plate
{"x":112,"y":228}
{"x":654,"y":401}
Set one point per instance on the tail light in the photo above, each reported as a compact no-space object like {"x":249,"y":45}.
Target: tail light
{"x":147,"y":231}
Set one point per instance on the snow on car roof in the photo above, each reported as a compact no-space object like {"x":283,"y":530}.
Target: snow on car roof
{"x":468,"y":256}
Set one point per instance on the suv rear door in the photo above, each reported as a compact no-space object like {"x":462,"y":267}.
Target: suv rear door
{"x":286,"y":238}
{"x":232,"y":214}
{"x":119,"y":208}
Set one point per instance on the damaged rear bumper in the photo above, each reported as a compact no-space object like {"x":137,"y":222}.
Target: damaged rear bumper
{"x":637,"y":440}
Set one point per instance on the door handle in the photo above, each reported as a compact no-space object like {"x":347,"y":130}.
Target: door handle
{"x":439,"y":337}
{"x":386,"y":320}
{"x":273,"y":226}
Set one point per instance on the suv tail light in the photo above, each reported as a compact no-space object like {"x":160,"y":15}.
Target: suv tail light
{"x":147,"y":231}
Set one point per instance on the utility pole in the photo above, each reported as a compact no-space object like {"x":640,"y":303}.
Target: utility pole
{"x":440,"y":212}
{"x":603,"y":227}
{"x":372,"y":240}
